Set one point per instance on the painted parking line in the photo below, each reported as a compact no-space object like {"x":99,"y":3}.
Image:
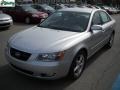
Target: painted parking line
{"x":116,"y":85}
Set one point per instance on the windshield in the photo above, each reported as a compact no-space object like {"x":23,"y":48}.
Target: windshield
{"x":29,"y":9}
{"x":67,"y":21}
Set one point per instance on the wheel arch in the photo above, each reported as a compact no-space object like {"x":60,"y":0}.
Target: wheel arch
{"x":83,"y":50}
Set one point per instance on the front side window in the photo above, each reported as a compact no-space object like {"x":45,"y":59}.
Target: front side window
{"x":67,"y":21}
{"x":96,"y":19}
{"x":105,"y":18}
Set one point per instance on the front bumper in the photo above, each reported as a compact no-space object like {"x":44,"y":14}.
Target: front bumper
{"x":6,"y":23}
{"x":38,"y":69}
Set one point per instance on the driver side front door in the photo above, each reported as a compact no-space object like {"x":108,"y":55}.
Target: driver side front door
{"x":96,"y":35}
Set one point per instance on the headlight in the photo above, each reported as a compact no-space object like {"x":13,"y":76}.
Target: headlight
{"x":34,"y":15}
{"x":51,"y":56}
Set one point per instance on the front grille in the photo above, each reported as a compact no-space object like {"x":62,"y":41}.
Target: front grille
{"x":5,"y":24}
{"x":22,"y":70}
{"x":19,"y":54}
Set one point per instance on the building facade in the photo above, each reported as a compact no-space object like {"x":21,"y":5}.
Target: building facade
{"x":115,"y":3}
{"x":54,"y":1}
{"x":69,"y":1}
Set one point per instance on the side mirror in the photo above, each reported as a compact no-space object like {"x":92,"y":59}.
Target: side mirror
{"x":96,"y":27}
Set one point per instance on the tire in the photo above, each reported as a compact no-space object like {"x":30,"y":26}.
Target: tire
{"x":27,"y":20}
{"x":110,"y":42}
{"x":78,"y":65}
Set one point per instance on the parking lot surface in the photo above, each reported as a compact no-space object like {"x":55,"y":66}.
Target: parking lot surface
{"x":100,"y":73}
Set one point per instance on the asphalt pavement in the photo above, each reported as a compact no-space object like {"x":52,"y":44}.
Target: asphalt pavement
{"x":100,"y":73}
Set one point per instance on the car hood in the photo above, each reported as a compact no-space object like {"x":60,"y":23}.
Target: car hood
{"x":37,"y":39}
{"x":4,"y":16}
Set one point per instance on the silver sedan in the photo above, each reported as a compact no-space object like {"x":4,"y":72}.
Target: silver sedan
{"x":61,"y":44}
{"x":5,"y":20}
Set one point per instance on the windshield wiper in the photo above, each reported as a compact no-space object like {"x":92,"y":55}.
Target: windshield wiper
{"x":51,"y":27}
{"x":58,"y":28}
{"x":55,"y":27}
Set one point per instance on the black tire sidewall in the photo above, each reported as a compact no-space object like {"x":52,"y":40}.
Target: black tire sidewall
{"x":109,"y":45}
{"x":71,"y":71}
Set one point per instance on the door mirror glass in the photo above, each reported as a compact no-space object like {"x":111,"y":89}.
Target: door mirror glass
{"x":96,"y":27}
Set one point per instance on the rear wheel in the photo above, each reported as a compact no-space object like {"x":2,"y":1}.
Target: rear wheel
{"x":78,"y":65}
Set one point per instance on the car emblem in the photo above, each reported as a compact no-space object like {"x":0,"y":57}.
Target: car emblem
{"x":17,"y":54}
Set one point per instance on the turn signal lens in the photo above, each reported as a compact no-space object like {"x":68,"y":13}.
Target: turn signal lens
{"x":60,"y":56}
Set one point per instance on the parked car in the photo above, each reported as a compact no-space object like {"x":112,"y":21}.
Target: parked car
{"x":113,"y":10}
{"x":108,"y":9}
{"x":118,"y":10}
{"x":71,"y":5}
{"x":24,"y":1}
{"x":5,"y":20}
{"x":44,"y":8}
{"x":97,"y":7}
{"x":61,"y":44}
{"x":87,"y":6}
{"x":25,"y":13}
{"x":59,"y":6}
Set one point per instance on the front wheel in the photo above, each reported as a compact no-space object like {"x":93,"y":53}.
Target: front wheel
{"x":77,"y":65}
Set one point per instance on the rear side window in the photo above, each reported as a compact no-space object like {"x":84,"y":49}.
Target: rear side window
{"x":105,"y":17}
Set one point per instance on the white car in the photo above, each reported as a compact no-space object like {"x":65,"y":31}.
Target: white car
{"x":5,"y":20}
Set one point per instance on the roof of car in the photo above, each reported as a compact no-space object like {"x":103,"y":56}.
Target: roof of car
{"x":87,"y":10}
